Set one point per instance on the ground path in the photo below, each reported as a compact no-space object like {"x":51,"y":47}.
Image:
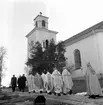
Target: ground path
{"x":69,"y":99}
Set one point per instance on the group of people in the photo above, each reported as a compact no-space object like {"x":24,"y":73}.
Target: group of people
{"x":58,"y":83}
{"x":21,"y":82}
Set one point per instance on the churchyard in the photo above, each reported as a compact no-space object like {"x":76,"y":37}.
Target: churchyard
{"x":19,"y":98}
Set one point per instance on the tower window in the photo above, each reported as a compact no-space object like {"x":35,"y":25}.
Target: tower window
{"x":47,"y":42}
{"x":43,"y":23}
{"x":36,"y":24}
{"x":44,"y":45}
{"x":77,"y":59}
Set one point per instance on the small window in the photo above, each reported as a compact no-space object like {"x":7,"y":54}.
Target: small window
{"x":36,"y":24}
{"x":43,"y":23}
{"x":47,"y":43}
{"x":44,"y":45}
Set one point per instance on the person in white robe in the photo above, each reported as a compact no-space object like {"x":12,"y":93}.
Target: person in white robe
{"x":36,"y":82}
{"x":67,"y":81}
{"x":44,"y":81}
{"x":57,"y":81}
{"x":49,"y":83}
{"x":41,"y":83}
{"x":30,"y":83}
{"x":93,"y":85}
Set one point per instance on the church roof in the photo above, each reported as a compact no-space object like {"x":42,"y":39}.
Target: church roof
{"x":40,"y":16}
{"x":41,"y":29}
{"x":83,"y":34}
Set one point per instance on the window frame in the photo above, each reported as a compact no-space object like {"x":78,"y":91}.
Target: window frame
{"x":77,"y":59}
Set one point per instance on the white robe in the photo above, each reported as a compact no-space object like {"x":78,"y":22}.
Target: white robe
{"x":49,"y":82}
{"x":57,"y":81}
{"x":44,"y":80}
{"x":38,"y":83}
{"x":93,"y":85}
{"x":67,"y":81}
{"x":30,"y":83}
{"x":41,"y":83}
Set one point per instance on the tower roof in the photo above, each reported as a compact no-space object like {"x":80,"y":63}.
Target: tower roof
{"x":40,"y":29}
{"x":40,"y":16}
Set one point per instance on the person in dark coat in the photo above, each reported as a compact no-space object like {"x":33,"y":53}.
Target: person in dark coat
{"x":13,"y":83}
{"x":23,"y":82}
{"x":19,"y":83}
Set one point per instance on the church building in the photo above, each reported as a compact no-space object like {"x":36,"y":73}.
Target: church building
{"x":82,"y":48}
{"x":86,"y":46}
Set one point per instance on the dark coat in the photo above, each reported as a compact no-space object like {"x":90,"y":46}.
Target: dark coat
{"x":19,"y":82}
{"x":23,"y":82}
{"x":13,"y":81}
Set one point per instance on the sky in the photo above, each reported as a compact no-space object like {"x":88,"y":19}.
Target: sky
{"x":68,"y":17}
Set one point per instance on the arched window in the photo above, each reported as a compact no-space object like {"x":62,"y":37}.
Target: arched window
{"x":43,"y":23}
{"x":77,"y":59}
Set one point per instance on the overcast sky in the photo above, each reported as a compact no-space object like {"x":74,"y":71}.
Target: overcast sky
{"x":68,"y":17}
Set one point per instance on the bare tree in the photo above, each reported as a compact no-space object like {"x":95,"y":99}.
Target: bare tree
{"x":3,"y":54}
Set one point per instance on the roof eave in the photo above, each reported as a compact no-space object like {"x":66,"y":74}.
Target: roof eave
{"x":30,"y":32}
{"x":74,"y":39}
{"x":39,"y":29}
{"x":41,"y":16}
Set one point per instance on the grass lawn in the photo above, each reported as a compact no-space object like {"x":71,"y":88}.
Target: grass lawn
{"x":9,"y":99}
{"x":50,"y":102}
{"x":22,"y":99}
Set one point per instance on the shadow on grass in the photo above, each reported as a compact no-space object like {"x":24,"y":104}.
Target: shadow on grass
{"x":51,"y":102}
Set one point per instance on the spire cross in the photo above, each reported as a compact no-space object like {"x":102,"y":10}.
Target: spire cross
{"x":40,"y":13}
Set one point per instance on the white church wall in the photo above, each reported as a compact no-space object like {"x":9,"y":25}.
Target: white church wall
{"x":32,"y":37}
{"x":43,"y":35}
{"x":88,"y":52}
{"x":100,"y":49}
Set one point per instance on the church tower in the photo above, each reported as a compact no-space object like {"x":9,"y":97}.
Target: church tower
{"x":41,"y":21}
{"x":40,"y":32}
